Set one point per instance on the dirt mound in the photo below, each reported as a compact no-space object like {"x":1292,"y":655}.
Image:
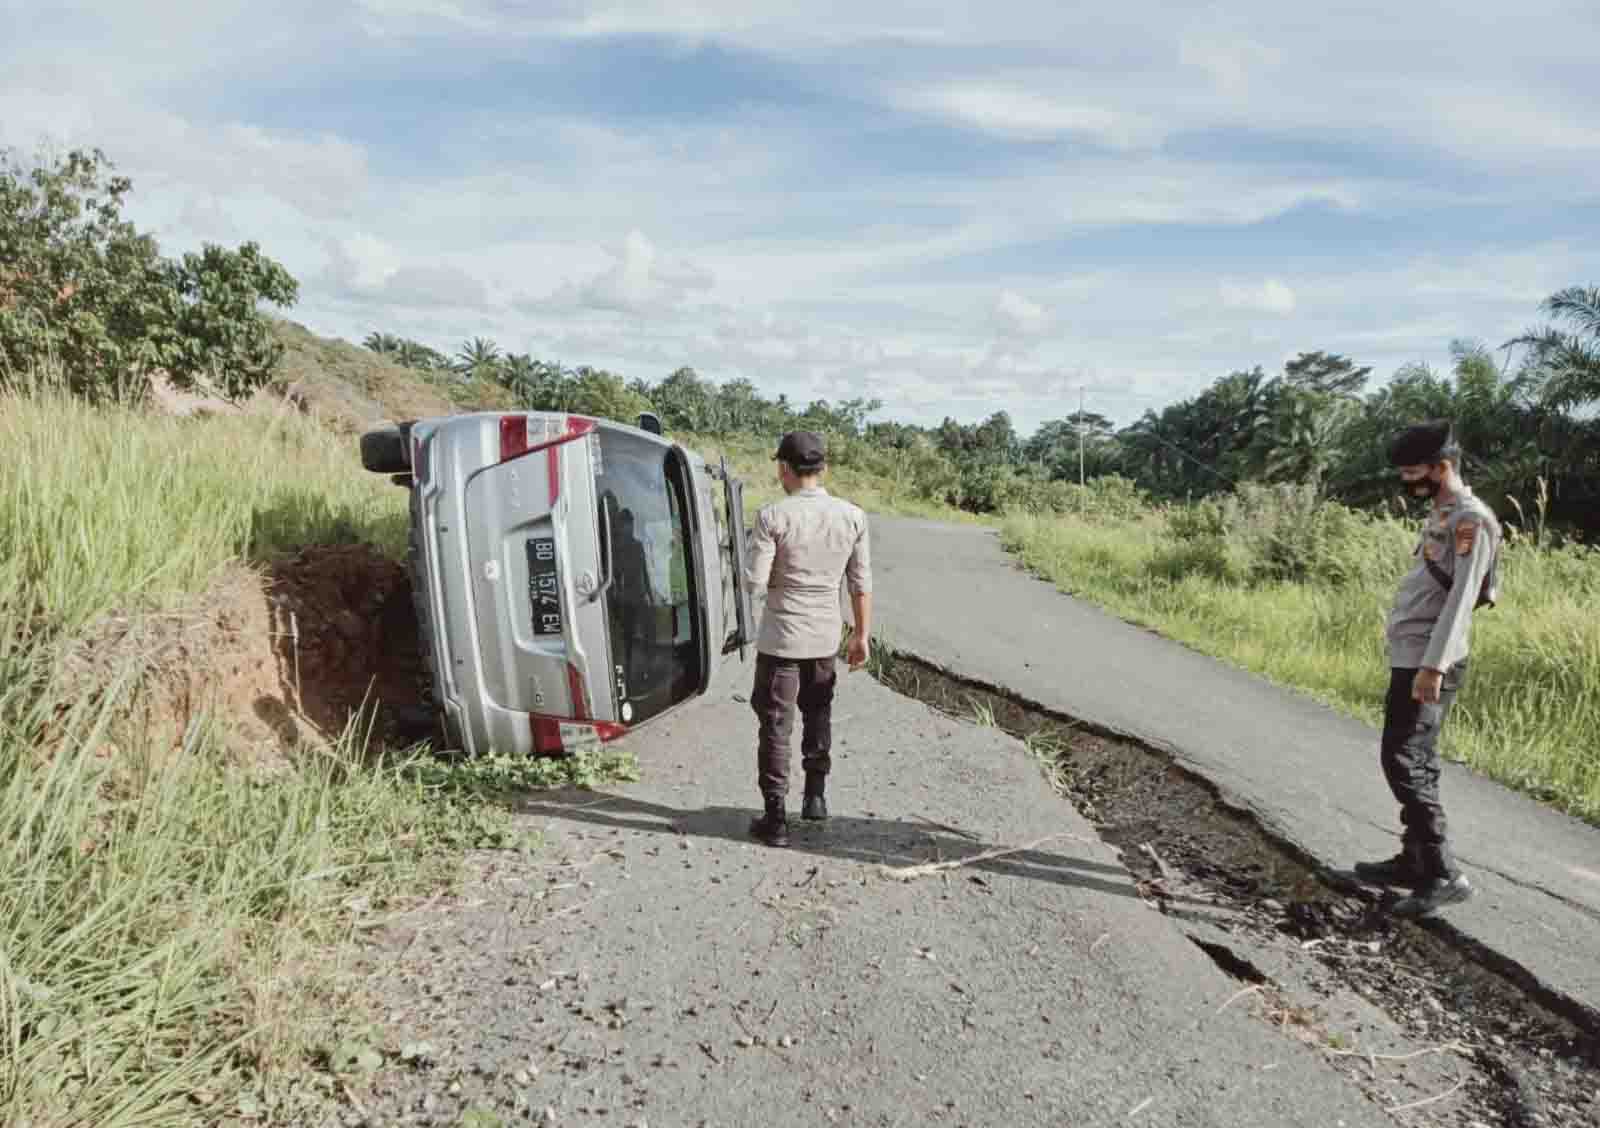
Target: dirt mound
{"x":346,"y":635}
{"x":283,"y":656}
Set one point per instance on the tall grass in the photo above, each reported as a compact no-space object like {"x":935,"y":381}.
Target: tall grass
{"x":1528,"y":716}
{"x":164,"y":917}
{"x":106,"y":508}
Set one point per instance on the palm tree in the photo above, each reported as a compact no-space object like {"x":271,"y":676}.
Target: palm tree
{"x":478,"y":359}
{"x":1304,"y":436}
{"x":1566,"y":364}
{"x":384,"y":344}
{"x":519,"y":372}
{"x":414,"y":355}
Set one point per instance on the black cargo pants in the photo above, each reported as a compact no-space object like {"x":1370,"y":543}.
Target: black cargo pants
{"x":781,"y":685}
{"x":1410,"y":758}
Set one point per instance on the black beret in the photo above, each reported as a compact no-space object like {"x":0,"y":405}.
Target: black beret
{"x":1424,"y":444}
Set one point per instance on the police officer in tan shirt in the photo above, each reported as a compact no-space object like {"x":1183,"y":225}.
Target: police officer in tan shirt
{"x":804,"y":548}
{"x":1427,"y":631}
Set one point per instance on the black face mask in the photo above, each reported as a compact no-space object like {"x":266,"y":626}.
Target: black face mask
{"x":1428,"y":487}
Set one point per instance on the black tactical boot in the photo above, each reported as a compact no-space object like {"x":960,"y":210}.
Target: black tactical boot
{"x":1433,"y":894}
{"x":815,"y":806}
{"x":1404,"y":869}
{"x":772,"y":827}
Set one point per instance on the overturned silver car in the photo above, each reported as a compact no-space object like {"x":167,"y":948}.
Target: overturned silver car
{"x":573,"y":577}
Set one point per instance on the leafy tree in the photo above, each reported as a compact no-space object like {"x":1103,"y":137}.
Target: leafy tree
{"x":602,"y":393}
{"x":83,"y":289}
{"x":685,"y":401}
{"x":218,"y":331}
{"x":1327,"y":373}
{"x":1054,"y":448}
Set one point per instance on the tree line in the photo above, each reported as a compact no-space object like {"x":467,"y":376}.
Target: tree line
{"x":1528,"y":431}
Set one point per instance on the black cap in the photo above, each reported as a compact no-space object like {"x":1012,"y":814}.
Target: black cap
{"x":802,"y":450}
{"x":1424,"y":444}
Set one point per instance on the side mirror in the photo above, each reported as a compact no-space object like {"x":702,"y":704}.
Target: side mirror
{"x":650,"y":421}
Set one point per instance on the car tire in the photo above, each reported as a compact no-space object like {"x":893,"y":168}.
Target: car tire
{"x":385,"y":450}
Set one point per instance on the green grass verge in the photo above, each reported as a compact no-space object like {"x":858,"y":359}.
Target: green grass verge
{"x":1529,"y":715}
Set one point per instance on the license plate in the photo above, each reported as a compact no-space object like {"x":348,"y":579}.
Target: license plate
{"x":579,"y":737}
{"x":544,"y":589}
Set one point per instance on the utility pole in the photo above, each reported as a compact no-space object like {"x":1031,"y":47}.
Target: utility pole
{"x":1080,"y":434}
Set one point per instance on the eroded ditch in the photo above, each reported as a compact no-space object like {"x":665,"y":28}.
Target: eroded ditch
{"x":1428,"y":1028}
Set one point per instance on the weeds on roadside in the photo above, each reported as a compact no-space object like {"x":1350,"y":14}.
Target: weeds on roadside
{"x":500,"y":775}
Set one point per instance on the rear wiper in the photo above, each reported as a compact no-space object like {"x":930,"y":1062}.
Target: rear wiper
{"x":606,"y":569}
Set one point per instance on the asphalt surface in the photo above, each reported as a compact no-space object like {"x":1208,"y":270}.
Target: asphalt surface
{"x":951,"y":596}
{"x":652,"y":965}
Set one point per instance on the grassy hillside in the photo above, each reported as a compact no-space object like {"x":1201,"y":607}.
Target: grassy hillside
{"x":348,"y":387}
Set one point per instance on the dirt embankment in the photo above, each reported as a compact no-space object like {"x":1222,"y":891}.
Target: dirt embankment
{"x":281,"y":656}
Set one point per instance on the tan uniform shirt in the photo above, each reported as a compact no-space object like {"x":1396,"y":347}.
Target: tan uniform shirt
{"x":1428,"y":626}
{"x":804,"y":548}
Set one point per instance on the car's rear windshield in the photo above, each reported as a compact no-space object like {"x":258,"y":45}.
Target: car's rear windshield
{"x":650,"y":606}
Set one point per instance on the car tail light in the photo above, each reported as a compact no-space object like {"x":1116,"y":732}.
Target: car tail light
{"x":515,"y":440}
{"x":513,"y":436}
{"x":555,"y":735}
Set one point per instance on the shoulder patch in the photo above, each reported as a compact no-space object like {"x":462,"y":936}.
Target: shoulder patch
{"x":1466,"y":534}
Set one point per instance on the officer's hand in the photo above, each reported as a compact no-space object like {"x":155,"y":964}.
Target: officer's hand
{"x":1425,"y":686}
{"x":857,"y":653}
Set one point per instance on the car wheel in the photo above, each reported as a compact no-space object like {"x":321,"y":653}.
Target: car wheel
{"x":384,"y":451}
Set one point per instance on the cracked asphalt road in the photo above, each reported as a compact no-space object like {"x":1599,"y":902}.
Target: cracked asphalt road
{"x":653,"y":965}
{"x":1309,"y":775}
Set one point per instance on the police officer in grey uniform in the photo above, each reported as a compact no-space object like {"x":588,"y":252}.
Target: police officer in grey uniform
{"x":806,"y":549}
{"x":1427,"y":632}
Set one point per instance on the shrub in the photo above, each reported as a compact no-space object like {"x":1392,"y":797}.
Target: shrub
{"x":1266,"y":533}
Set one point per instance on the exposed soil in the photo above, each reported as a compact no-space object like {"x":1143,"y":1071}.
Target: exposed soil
{"x":346,"y":638}
{"x":1318,"y":959}
{"x":282,"y":656}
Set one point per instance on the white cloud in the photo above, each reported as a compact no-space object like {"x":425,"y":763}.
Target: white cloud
{"x":1027,"y":114}
{"x":368,"y":271}
{"x":360,"y":263}
{"x":1019,"y":317}
{"x":1231,"y":61}
{"x":1271,"y":296}
{"x":435,"y":285}
{"x":640,"y":281}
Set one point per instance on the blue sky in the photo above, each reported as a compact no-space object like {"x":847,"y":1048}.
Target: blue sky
{"x":955,"y":208}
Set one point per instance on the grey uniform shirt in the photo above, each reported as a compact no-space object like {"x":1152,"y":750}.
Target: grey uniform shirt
{"x":804,"y":548}
{"x":1428,"y":626}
